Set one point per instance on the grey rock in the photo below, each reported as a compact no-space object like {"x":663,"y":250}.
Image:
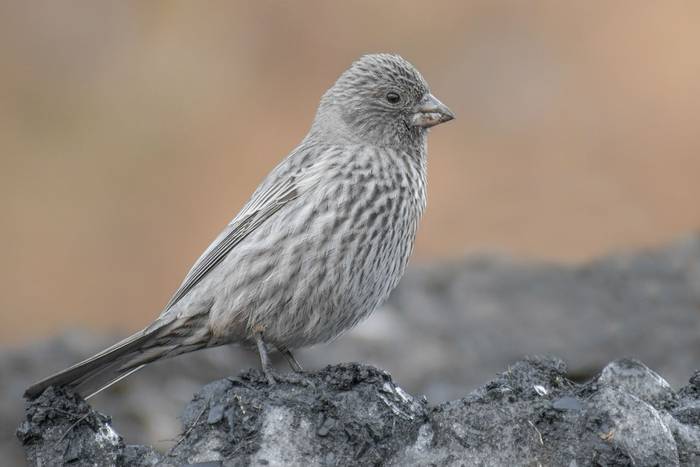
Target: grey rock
{"x":447,"y":328}
{"x":351,"y":414}
{"x":687,"y":438}
{"x":353,"y":411}
{"x":63,"y":426}
{"x":475,"y":316}
{"x":631,"y":427}
{"x":635,"y":378}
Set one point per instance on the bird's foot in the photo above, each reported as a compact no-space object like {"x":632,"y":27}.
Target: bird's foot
{"x":293,"y":362}
{"x":264,"y":358}
{"x":271,"y":380}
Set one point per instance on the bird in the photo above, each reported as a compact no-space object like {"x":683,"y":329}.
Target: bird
{"x":318,"y":246}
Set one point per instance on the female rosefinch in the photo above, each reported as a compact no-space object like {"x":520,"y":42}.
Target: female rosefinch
{"x":320,"y":244}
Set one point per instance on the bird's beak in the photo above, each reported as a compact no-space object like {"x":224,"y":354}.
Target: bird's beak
{"x":430,"y":112}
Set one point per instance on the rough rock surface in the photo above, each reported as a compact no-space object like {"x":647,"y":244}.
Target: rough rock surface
{"x":447,"y":328}
{"x":353,"y":414}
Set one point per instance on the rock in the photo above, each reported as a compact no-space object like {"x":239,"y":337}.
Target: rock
{"x":63,"y":426}
{"x":635,"y":378}
{"x":352,"y":414}
{"x":629,"y":429}
{"x":476,"y":315}
{"x":447,"y":328}
{"x":500,"y":423}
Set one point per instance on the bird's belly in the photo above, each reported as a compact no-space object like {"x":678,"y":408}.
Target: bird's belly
{"x":306,"y":282}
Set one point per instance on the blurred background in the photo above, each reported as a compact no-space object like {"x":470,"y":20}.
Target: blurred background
{"x":131,"y":132}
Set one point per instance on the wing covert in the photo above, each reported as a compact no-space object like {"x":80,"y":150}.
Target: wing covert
{"x":250,"y":218}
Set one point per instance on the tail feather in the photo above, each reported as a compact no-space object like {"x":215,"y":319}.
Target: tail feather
{"x":89,"y":377}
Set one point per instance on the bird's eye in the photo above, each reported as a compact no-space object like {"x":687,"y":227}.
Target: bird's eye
{"x":393,"y":98}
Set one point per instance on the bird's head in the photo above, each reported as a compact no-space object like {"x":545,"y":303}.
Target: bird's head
{"x":381,"y":99}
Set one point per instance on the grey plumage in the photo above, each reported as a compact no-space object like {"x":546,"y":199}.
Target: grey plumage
{"x":319,"y":245}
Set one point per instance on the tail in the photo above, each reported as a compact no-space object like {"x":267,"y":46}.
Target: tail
{"x":162,"y":339}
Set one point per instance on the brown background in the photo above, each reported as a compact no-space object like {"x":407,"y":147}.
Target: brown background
{"x":131,"y":132}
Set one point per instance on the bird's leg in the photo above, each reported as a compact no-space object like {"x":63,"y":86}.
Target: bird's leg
{"x":264,"y":359}
{"x":289,"y":356}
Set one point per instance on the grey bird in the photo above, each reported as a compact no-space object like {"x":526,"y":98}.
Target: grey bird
{"x":319,"y":245}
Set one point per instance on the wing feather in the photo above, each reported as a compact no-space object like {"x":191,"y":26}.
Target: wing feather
{"x":258,"y":210}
